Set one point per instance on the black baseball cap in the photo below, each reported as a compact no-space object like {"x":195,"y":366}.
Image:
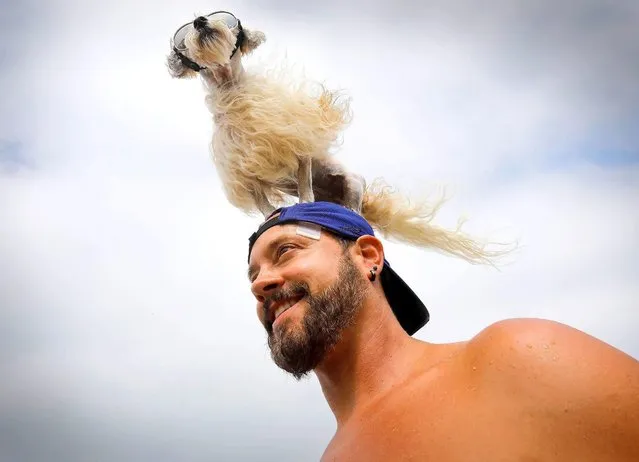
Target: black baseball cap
{"x":409,"y":310}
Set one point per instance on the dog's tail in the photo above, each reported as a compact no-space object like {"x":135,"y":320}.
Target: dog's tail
{"x":396,"y":217}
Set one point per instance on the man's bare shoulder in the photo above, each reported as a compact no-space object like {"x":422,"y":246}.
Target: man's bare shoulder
{"x":532,"y":350}
{"x":563,"y":376}
{"x":537,"y":343}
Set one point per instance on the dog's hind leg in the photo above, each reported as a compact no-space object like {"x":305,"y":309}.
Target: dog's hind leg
{"x":354,"y":194}
{"x":305,"y":181}
{"x":333,"y":183}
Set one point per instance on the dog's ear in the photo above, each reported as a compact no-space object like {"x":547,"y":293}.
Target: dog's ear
{"x":176,"y":67}
{"x":252,"y":40}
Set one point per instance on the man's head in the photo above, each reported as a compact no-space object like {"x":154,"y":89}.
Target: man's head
{"x":312,"y":266}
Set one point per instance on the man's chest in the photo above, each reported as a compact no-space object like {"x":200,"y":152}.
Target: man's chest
{"x":448,"y":426}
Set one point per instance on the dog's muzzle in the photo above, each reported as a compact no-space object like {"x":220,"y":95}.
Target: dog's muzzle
{"x":178,"y":38}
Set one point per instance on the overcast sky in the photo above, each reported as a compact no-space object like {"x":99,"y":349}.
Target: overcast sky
{"x":127,"y":328}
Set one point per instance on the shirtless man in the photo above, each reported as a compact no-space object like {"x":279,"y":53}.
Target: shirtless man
{"x":520,"y":390}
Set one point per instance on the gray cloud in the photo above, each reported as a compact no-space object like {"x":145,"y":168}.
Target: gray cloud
{"x":517,"y":79}
{"x":582,"y":56}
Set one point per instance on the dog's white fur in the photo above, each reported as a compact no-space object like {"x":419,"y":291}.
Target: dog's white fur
{"x":275,"y":139}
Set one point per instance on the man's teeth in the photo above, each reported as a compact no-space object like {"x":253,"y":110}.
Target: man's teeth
{"x":284,"y":306}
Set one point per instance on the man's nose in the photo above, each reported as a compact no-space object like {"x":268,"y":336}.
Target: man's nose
{"x":265,"y":284}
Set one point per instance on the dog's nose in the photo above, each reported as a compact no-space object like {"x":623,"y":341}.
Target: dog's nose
{"x":199,"y":22}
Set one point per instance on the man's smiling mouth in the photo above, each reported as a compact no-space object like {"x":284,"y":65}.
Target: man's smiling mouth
{"x":285,"y":305}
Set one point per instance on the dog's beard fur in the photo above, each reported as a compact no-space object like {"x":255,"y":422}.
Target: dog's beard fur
{"x":300,"y":349}
{"x":212,"y":46}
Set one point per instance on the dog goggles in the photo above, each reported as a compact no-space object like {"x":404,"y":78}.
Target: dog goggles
{"x":180,"y":35}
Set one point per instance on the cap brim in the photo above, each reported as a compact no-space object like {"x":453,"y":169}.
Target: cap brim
{"x":409,"y":310}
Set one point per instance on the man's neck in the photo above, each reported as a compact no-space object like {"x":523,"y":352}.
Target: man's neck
{"x":372,"y":356}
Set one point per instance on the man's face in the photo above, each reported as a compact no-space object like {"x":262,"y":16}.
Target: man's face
{"x":308,"y":291}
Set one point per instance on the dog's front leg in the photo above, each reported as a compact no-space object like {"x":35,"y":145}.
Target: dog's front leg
{"x":263,"y":204}
{"x":305,"y":181}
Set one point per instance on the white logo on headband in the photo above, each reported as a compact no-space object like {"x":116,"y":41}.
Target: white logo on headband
{"x":309,"y":230}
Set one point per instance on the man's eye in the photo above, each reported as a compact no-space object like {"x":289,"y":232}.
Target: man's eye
{"x":283,"y":249}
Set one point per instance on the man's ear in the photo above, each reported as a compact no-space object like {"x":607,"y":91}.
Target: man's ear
{"x":252,"y":40}
{"x":176,"y":67}
{"x":370,"y":251}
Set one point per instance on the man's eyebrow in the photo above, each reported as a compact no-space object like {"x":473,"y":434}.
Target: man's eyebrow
{"x":271,"y":246}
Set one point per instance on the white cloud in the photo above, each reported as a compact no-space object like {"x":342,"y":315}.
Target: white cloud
{"x":126,"y":317}
{"x":133,"y":309}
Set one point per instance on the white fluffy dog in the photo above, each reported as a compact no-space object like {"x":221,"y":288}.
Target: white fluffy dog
{"x":274,"y":139}
{"x":271,"y":140}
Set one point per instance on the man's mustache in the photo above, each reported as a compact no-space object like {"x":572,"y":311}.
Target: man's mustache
{"x":294,"y":291}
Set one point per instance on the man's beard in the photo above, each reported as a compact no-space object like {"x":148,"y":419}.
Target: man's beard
{"x":298,"y":350}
